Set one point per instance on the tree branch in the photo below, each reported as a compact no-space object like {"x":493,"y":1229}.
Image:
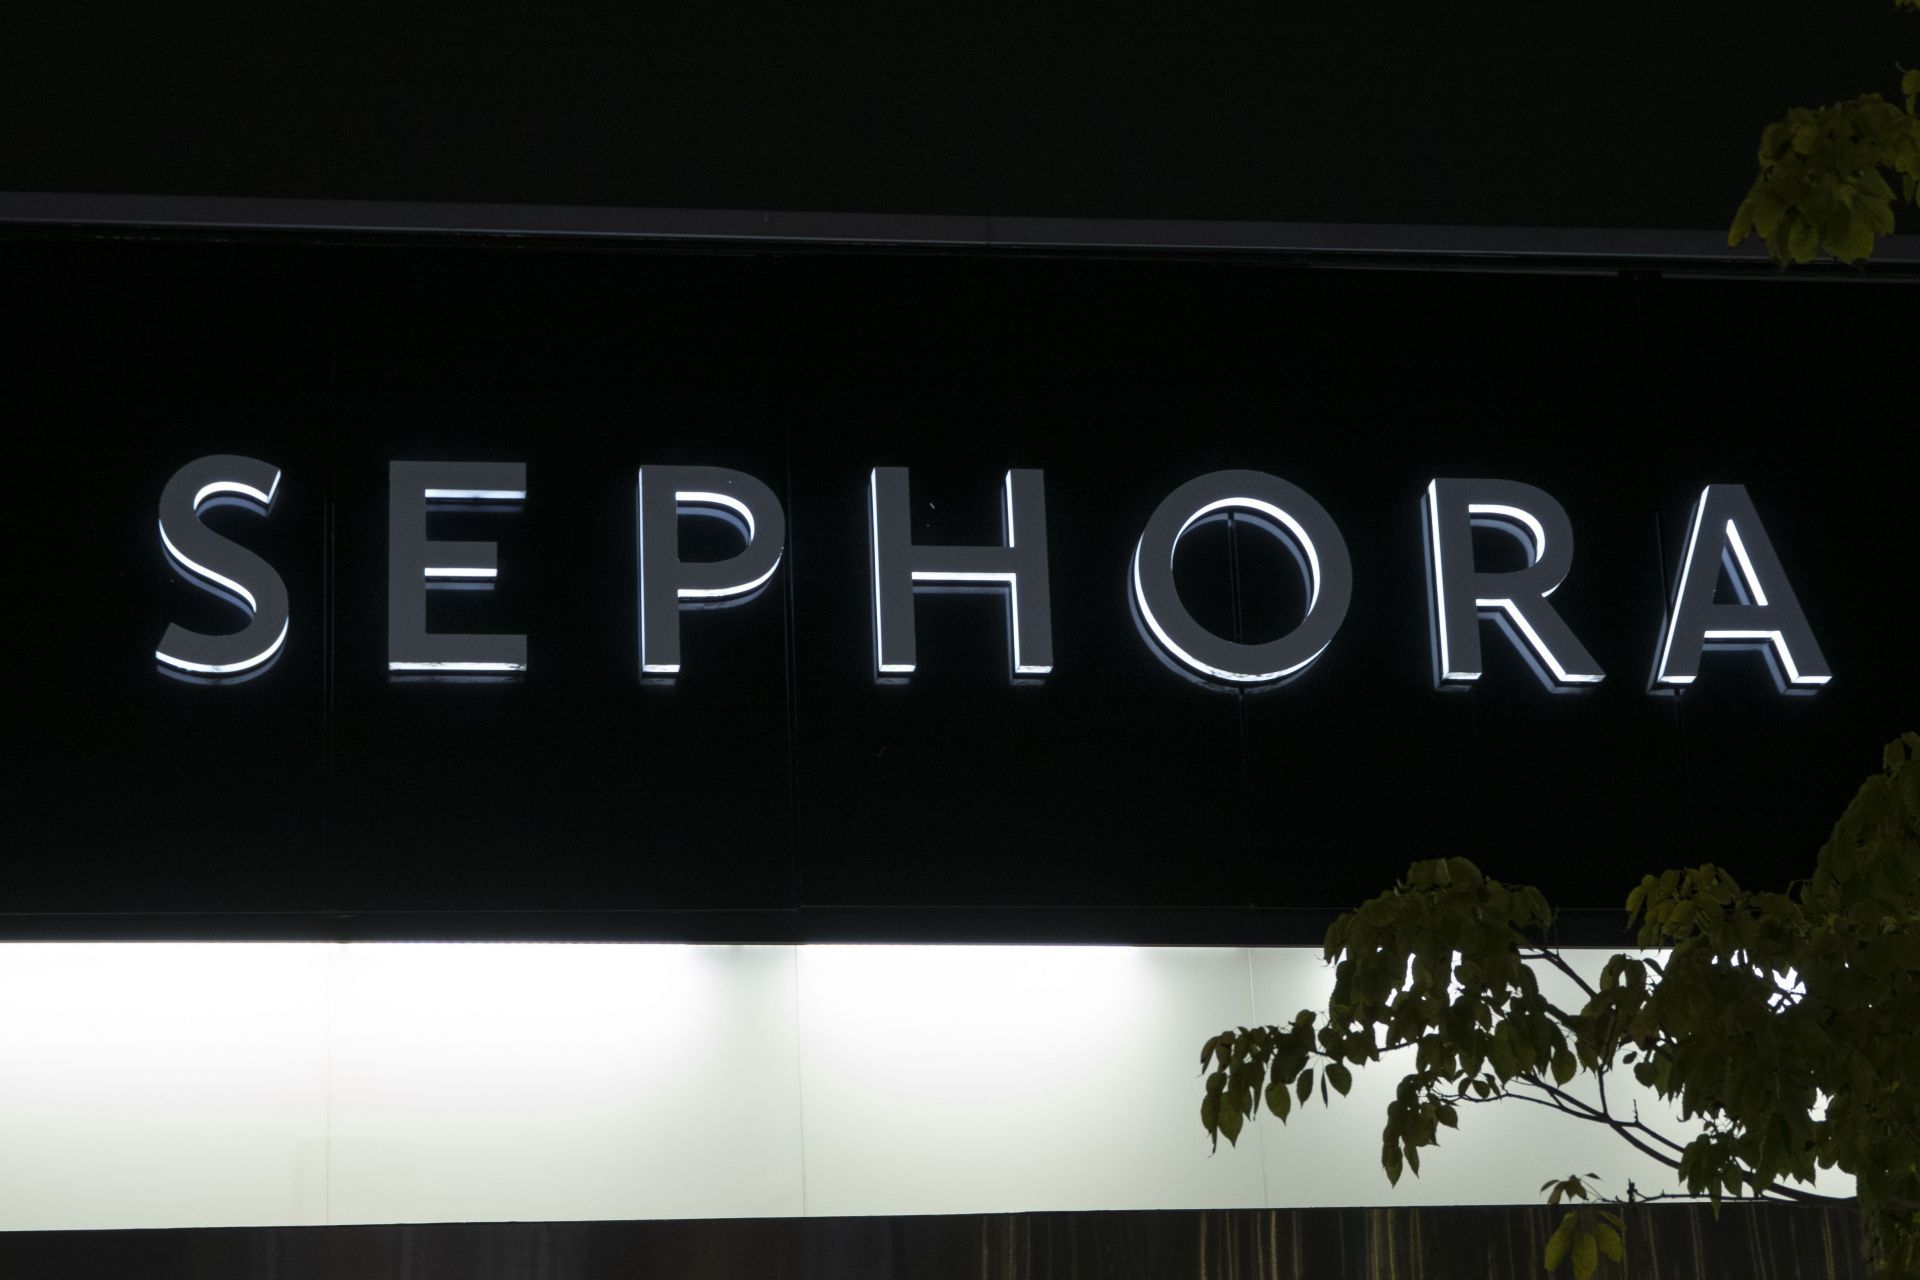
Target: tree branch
{"x":1554,"y":958}
{"x":1567,"y":1104}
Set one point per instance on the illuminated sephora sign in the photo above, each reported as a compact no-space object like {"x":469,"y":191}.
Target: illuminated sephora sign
{"x":1723,"y":530}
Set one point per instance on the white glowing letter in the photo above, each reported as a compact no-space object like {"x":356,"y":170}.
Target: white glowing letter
{"x":414,"y":563}
{"x":1280,"y":509}
{"x":1018,"y":566}
{"x":668,"y":583}
{"x":1461,"y":595}
{"x":223,"y":568}
{"x":1724,"y":530}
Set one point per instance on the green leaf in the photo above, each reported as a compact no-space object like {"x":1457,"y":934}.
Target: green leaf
{"x":1586,"y":1256}
{"x":1741,"y":229}
{"x":1231,"y":1119}
{"x":1558,"y":1243}
{"x":1564,"y":1065}
{"x":1500,"y":1052}
{"x":1852,"y":240}
{"x":1873,"y":184}
{"x":1339,"y":1077}
{"x":1803,"y":242}
{"x":1784,"y":1087}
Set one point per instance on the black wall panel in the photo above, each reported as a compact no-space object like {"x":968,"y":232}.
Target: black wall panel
{"x":775,"y":776}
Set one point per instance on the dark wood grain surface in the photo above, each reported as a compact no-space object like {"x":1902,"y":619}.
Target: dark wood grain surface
{"x":1665,"y":1242}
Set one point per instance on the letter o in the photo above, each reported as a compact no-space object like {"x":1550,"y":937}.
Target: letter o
{"x":1287,"y":512}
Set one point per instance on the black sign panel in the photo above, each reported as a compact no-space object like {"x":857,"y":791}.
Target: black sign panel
{"x":777,"y":769}
{"x":1635,"y":115}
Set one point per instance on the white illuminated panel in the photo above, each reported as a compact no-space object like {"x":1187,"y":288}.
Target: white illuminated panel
{"x":1502,"y":1151}
{"x":200,"y":1085}
{"x":504,"y":1082}
{"x":162,"y":1085}
{"x":1500,"y":1155}
{"x":992,"y":1079}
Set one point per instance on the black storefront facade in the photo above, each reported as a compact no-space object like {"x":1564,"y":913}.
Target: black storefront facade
{"x":1131,"y":405}
{"x":712,"y":648}
{"x":1089,"y":776}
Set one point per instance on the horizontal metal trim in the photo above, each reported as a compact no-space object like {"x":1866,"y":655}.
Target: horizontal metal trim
{"x":1010,"y":925}
{"x":905,"y":230}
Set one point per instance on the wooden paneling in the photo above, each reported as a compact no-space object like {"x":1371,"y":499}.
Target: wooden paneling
{"x":1665,"y":1242}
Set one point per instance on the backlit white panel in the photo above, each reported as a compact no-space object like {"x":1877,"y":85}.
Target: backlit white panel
{"x":162,"y":1085}
{"x":1501,"y":1153}
{"x":497,"y":1082}
{"x":193,"y":1085}
{"x":984,"y":1079}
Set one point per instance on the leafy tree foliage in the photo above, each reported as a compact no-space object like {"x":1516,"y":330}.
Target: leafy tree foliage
{"x":1785,"y":1026}
{"x":1828,"y":176}
{"x":1585,"y":1235}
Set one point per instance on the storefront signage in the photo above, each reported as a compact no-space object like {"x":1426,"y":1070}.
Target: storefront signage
{"x":1723,"y":529}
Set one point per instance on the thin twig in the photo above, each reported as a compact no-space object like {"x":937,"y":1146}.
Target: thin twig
{"x":1553,"y":958}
